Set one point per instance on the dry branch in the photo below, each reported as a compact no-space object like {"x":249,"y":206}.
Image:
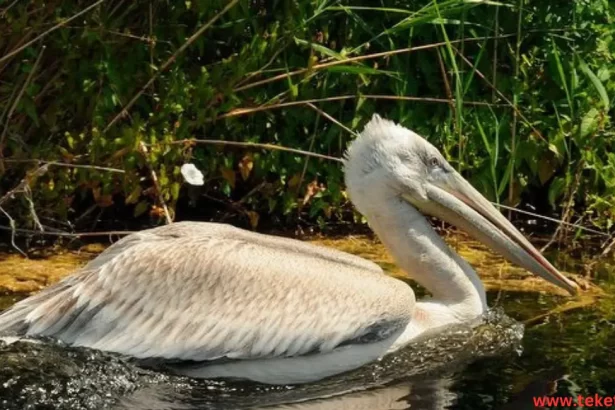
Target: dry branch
{"x":256,"y":145}
{"x":330,"y":118}
{"x":320,"y":66}
{"x":65,"y":165}
{"x":251,"y":110}
{"x":24,"y":182}
{"x":22,"y":187}
{"x":66,"y":234}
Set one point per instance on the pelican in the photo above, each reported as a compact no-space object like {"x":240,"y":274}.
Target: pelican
{"x":215,"y":301}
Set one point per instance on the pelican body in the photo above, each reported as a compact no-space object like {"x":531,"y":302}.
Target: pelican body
{"x":213,"y":301}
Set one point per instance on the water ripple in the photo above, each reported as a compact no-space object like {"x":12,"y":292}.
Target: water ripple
{"x":50,"y":375}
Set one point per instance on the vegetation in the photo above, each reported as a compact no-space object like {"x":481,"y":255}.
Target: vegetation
{"x":518,"y":94}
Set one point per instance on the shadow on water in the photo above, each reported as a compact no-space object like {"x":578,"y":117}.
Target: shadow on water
{"x":49,"y":375}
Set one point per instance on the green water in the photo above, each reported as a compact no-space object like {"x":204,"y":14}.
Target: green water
{"x":564,"y":355}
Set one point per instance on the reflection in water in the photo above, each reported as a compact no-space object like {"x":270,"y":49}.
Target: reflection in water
{"x":48,"y":374}
{"x":545,"y":385}
{"x":415,"y":394}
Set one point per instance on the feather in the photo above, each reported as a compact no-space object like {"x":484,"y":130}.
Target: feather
{"x":204,"y":291}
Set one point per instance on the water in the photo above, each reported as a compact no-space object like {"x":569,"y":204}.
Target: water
{"x":50,"y":375}
{"x":496,"y":363}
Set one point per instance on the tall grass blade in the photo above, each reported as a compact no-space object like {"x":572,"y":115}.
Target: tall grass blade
{"x":596,"y":82}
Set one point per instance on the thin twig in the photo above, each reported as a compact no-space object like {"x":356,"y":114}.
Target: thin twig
{"x":256,"y":145}
{"x":516,"y":109}
{"x":243,"y":111}
{"x":566,"y":212}
{"x":148,"y":40}
{"x":118,"y":6}
{"x":28,"y":195}
{"x":330,"y":118}
{"x":13,"y":231}
{"x":326,"y":62}
{"x":48,"y":84}
{"x":513,"y":125}
{"x":167,"y":215}
{"x":85,"y":214}
{"x":26,"y":36}
{"x":251,"y":110}
{"x":152,"y":43}
{"x":106,"y":233}
{"x":88,"y":234}
{"x":429,"y":99}
{"x":168,"y":63}
{"x":7,"y":8}
{"x":307,"y":159}
{"x":548,"y":218}
{"x":17,"y":99}
{"x":237,"y":206}
{"x":65,"y":165}
{"x":23,"y":186}
{"x":608,"y":245}
{"x":7,"y":105}
{"x":24,"y":182}
{"x":65,"y":234}
{"x":447,"y":88}
{"x":317,"y":67}
{"x":494,"y":67}
{"x":57,"y":26}
{"x":263,"y":68}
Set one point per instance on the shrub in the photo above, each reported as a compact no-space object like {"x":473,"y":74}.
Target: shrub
{"x":554,"y":62}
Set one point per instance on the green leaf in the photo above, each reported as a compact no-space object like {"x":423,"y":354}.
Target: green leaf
{"x":483,"y":136}
{"x":385,"y":9}
{"x":140,"y":208}
{"x":546,"y":169}
{"x":589,"y":124}
{"x":30,"y":109}
{"x":560,"y":70}
{"x":505,"y":178}
{"x":556,"y":189}
{"x":359,"y":69}
{"x":597,"y":84}
{"x":134,"y":195}
{"x":320,"y":48}
{"x":175,"y":186}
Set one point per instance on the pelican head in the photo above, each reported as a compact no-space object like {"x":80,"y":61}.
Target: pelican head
{"x":390,"y":166}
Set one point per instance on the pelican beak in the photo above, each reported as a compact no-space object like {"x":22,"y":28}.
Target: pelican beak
{"x":455,"y":201}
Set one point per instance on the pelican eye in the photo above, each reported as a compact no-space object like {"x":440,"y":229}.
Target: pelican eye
{"x":434,"y":162}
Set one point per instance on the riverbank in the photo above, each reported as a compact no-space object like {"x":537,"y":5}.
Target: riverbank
{"x":20,"y":276}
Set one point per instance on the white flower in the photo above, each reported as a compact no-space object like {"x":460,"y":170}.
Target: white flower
{"x":192,"y":175}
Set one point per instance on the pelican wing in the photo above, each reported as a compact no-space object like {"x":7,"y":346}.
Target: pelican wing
{"x":200,"y":291}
